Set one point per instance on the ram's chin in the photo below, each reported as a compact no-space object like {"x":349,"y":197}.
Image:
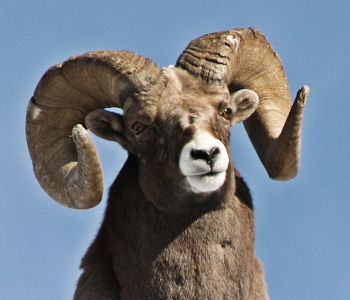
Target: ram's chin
{"x":206,"y":183}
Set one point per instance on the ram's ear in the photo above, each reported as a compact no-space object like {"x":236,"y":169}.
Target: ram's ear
{"x":107,"y":125}
{"x":246,"y":102}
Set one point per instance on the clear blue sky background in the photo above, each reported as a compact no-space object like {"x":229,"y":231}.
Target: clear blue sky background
{"x":303,"y":226}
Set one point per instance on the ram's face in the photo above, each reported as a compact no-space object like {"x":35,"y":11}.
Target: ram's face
{"x":180,"y":132}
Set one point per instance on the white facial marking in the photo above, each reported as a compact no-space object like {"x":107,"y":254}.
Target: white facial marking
{"x":36,"y":112}
{"x":206,"y":183}
{"x":204,"y":171}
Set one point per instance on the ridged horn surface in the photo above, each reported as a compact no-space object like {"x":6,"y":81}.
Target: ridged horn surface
{"x":64,"y":158}
{"x":243,"y":58}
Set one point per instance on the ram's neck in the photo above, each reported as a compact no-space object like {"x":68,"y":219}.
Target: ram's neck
{"x":128,"y":205}
{"x":126,"y":191}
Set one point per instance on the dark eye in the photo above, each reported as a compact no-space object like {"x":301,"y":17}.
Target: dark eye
{"x":138,"y":127}
{"x":227,"y":113}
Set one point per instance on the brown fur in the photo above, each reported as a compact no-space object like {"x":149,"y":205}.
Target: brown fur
{"x":159,"y":240}
{"x":208,"y":254}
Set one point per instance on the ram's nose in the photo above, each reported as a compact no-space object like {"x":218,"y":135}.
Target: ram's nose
{"x":204,"y":161}
{"x":208,"y":155}
{"x":203,"y":154}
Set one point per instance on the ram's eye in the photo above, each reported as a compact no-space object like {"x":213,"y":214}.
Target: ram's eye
{"x":138,"y":127}
{"x":227,"y":113}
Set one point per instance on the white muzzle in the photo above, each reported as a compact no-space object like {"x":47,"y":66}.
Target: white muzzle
{"x":204,"y":161}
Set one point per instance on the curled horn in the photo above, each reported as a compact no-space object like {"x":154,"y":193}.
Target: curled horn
{"x":243,"y":58}
{"x":64,"y":158}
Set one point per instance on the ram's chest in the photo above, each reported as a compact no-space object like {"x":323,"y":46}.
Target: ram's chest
{"x":192,"y":273}
{"x":210,"y":259}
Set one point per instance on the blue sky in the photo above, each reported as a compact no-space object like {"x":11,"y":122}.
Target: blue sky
{"x":302,"y":226}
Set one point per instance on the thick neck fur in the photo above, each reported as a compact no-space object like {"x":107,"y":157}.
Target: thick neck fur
{"x":206,"y":254}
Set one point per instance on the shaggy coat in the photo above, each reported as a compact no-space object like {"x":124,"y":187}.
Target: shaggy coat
{"x":156,"y":255}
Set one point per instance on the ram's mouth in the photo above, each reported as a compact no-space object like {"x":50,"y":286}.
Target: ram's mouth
{"x":208,"y":175}
{"x":206,"y":182}
{"x":211,"y":173}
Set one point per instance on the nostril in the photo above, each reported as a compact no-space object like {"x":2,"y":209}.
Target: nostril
{"x":214,"y":152}
{"x":200,"y":154}
{"x":208,"y":155}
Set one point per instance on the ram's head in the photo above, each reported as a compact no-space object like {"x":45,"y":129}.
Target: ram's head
{"x":175,"y":120}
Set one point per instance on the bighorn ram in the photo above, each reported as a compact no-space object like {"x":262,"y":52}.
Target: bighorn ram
{"x":179,"y":222}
